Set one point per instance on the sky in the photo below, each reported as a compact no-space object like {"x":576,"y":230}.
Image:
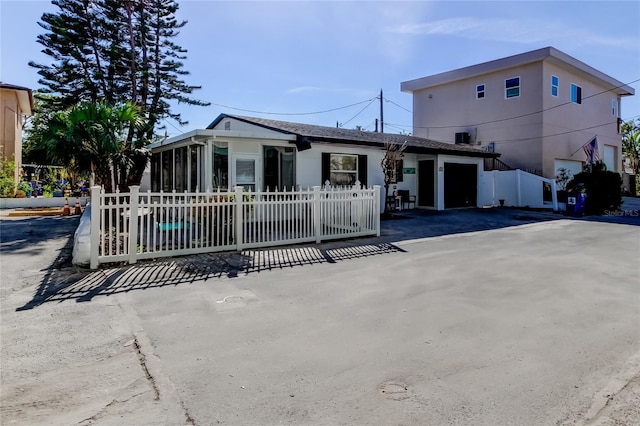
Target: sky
{"x":303,"y":58}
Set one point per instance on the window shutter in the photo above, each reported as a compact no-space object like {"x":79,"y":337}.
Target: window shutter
{"x":399,"y":174}
{"x":326,"y":167}
{"x":362,"y":169}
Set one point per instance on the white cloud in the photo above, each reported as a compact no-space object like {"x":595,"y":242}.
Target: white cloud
{"x":526,"y":31}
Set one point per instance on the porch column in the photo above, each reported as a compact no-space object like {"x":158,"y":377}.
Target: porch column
{"x":207,"y":180}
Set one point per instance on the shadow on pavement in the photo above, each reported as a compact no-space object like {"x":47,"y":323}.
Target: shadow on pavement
{"x":23,"y":235}
{"x":83,"y":286}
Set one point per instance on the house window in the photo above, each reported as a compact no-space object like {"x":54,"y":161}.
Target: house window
{"x":194,"y":168}
{"x":512,"y":87}
{"x":576,"y":94}
{"x":167,"y":171}
{"x":614,"y":107}
{"x":227,"y":125}
{"x":156,"y":169}
{"x":554,"y":85}
{"x":180,"y":176}
{"x":344,"y":169}
{"x":279,"y":167}
{"x":246,"y":173}
{"x":221,"y":165}
{"x":480,"y":91}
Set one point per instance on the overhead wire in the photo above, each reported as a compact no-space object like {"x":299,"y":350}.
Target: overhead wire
{"x":399,"y":106}
{"x":503,"y":141}
{"x":359,"y":112}
{"x":294,"y":113}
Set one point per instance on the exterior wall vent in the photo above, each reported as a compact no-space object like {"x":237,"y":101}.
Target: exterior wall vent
{"x":463,"y":138}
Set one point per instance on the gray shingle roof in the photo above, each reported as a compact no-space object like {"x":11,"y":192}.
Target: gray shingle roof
{"x":326,"y":134}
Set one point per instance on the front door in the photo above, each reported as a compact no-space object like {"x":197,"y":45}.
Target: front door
{"x":245,"y":171}
{"x":426,"y":183}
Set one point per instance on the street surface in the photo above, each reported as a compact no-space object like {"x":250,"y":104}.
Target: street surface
{"x":534,"y":324}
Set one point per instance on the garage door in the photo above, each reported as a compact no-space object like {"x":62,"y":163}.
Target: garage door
{"x":460,"y":185}
{"x":610,"y":157}
{"x":572,"y":167}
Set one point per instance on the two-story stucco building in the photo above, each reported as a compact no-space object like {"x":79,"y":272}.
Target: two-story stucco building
{"x":537,"y":109}
{"x":16,"y":102}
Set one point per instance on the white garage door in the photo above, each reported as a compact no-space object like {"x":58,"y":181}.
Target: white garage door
{"x":572,"y":167}
{"x":610,"y":157}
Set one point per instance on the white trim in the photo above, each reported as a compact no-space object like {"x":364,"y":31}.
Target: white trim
{"x":571,"y":93}
{"x":557,"y":86}
{"x":511,"y":88}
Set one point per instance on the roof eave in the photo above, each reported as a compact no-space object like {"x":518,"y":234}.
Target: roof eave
{"x":472,"y":71}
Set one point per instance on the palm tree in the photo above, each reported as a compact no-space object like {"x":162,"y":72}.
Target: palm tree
{"x":92,"y":137}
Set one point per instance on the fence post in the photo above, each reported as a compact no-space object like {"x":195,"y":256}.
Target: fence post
{"x":134,"y":201}
{"x":94,"y":240}
{"x":554,"y":195}
{"x":239,"y":216}
{"x":316,"y":214}
{"x":518,"y":189}
{"x":376,"y":207}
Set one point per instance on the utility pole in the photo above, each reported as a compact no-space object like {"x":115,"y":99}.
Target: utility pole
{"x":381,"y":113}
{"x":376,"y":126}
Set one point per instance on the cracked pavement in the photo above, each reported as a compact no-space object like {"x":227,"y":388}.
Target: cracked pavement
{"x":531,"y":324}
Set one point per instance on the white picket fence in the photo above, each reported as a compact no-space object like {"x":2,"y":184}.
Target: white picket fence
{"x":142,"y":225}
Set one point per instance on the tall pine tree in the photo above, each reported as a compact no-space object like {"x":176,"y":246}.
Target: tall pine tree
{"x":116,"y":51}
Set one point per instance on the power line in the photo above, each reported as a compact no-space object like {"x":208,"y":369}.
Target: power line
{"x":359,"y":112}
{"x":556,"y":134}
{"x":293,"y":113}
{"x":399,"y":106}
{"x":172,"y":125}
{"x":517,"y":116}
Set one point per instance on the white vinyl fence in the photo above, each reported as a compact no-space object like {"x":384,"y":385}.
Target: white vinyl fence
{"x":517,"y":188}
{"x":142,"y":225}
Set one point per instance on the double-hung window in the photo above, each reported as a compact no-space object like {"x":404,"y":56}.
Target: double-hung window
{"x":576,"y":94}
{"x":480,"y":91}
{"x":344,"y":169}
{"x":554,"y":85}
{"x":512,"y":87}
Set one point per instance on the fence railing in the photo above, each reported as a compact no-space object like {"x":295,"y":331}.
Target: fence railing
{"x":141,"y":225}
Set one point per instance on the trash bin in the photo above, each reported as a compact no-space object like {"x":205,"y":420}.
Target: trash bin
{"x":575,"y":203}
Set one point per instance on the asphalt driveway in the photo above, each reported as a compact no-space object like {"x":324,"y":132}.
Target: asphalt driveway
{"x":469,"y":317}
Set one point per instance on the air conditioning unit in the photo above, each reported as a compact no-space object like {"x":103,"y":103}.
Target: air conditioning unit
{"x":463,"y":137}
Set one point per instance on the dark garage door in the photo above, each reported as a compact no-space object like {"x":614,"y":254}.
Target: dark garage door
{"x":460,"y":185}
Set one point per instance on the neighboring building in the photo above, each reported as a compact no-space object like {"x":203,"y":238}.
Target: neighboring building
{"x":258,"y":153}
{"x":537,"y":109}
{"x":17,"y":102}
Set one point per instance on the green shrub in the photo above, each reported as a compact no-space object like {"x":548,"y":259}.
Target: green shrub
{"x":603,"y":188}
{"x":7,"y":183}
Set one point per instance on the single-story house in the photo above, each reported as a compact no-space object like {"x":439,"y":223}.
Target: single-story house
{"x":260,"y":153}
